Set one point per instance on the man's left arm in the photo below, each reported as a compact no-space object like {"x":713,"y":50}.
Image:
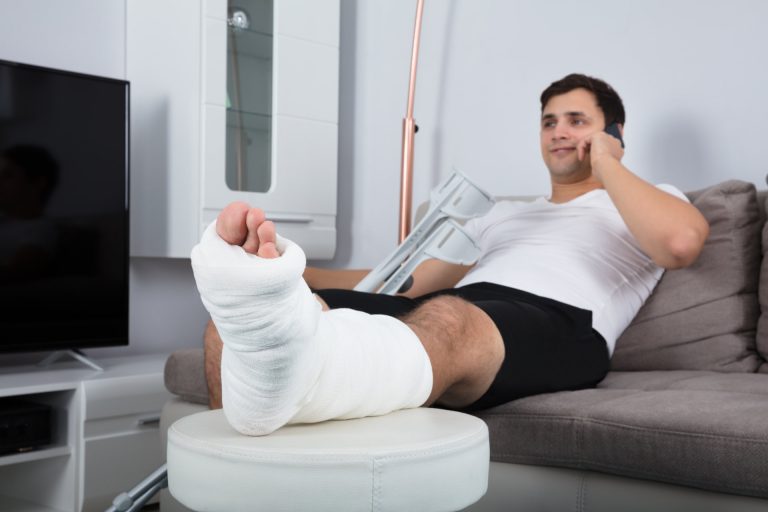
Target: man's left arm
{"x":671,"y":231}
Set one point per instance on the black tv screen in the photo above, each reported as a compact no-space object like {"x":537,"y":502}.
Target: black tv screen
{"x":63,"y":209}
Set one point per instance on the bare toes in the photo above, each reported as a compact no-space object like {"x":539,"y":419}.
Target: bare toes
{"x":253,"y":220}
{"x":231,"y":226}
{"x":267,"y":239}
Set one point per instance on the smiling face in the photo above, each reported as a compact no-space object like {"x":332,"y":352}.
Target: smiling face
{"x":565,"y":120}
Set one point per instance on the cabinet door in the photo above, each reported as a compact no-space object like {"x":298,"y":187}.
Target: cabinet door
{"x":121,"y":429}
{"x":177,"y":63}
{"x":163,"y":51}
{"x":270,"y":114}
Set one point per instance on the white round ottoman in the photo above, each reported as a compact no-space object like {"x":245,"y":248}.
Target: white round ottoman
{"x":416,"y":459}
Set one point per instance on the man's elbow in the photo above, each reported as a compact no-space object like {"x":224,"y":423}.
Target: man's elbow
{"x":684,"y":247}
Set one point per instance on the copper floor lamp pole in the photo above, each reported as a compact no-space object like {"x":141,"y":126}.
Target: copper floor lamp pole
{"x":409,"y":130}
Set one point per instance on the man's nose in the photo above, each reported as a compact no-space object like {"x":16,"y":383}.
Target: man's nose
{"x":560,"y":131}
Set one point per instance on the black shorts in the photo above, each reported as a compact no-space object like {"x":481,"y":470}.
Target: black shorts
{"x":550,"y":346}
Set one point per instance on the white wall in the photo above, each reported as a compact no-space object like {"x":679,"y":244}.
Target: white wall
{"x":692,"y":74}
{"x":86,"y":36}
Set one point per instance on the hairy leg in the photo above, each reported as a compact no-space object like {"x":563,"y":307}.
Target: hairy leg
{"x":464,"y":346}
{"x":212,"y":346}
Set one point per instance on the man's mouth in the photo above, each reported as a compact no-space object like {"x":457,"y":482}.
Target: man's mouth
{"x":564,"y":150}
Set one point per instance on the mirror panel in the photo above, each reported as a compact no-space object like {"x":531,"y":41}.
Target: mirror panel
{"x":250,"y":42}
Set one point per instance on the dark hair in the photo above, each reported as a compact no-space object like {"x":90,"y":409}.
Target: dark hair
{"x":35,"y":162}
{"x":607,"y":99}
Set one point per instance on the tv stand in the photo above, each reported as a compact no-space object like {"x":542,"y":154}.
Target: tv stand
{"x":105,"y":433}
{"x":74,"y":354}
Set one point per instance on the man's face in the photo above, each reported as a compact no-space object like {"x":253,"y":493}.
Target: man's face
{"x":565,"y":121}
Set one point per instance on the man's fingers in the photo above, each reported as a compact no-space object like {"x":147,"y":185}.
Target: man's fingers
{"x":606,"y":144}
{"x":583,"y":148}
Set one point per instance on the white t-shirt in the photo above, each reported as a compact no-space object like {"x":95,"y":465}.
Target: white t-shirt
{"x":580,"y":253}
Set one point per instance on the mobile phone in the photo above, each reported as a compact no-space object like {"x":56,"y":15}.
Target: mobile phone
{"x":613,"y":129}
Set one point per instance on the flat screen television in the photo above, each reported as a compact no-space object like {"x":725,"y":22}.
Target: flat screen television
{"x":63,"y":209}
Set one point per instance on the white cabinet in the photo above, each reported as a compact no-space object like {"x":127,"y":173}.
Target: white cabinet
{"x":105,"y":436}
{"x":177,"y":64}
{"x":163,"y":46}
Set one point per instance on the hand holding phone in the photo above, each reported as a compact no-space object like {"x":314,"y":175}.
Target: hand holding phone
{"x":613,"y":129}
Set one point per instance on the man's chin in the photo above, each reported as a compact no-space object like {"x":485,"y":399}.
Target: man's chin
{"x":569,"y":175}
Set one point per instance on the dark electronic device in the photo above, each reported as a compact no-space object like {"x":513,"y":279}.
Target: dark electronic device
{"x":63,"y":209}
{"x":24,"y":425}
{"x":613,"y":129}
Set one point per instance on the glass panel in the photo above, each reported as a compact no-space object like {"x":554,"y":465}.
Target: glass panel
{"x":249,"y":95}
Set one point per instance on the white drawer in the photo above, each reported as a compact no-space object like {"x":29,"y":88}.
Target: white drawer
{"x":127,"y":395}
{"x":121,"y":425}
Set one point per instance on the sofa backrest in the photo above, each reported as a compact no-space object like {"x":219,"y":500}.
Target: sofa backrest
{"x":704,"y":317}
{"x":762,"y":322}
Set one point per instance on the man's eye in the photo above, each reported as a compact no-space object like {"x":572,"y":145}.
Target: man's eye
{"x":577,"y":122}
{"x":548,"y":124}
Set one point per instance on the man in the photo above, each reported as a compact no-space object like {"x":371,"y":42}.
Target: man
{"x":557,"y":282}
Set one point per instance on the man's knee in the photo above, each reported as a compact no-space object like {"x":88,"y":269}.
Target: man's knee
{"x":459,"y":325}
{"x":464,"y":346}
{"x":458,"y":336}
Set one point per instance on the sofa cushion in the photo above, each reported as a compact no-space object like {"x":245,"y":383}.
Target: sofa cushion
{"x":704,"y":317}
{"x":185,"y":375}
{"x":687,"y":379}
{"x":706,"y":438}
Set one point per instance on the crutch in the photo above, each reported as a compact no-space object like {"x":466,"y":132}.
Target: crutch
{"x":133,"y":500}
{"x":435,"y":236}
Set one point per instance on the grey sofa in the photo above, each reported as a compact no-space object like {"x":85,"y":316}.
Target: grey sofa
{"x":681,"y":421}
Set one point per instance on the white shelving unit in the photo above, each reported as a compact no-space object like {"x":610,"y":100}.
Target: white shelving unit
{"x":176,"y":61}
{"x":105,"y":435}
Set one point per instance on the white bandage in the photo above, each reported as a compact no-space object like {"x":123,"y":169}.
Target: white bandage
{"x":286,"y":361}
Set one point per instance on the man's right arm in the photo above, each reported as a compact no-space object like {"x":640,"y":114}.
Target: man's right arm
{"x":323,"y":278}
{"x":431,"y":275}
